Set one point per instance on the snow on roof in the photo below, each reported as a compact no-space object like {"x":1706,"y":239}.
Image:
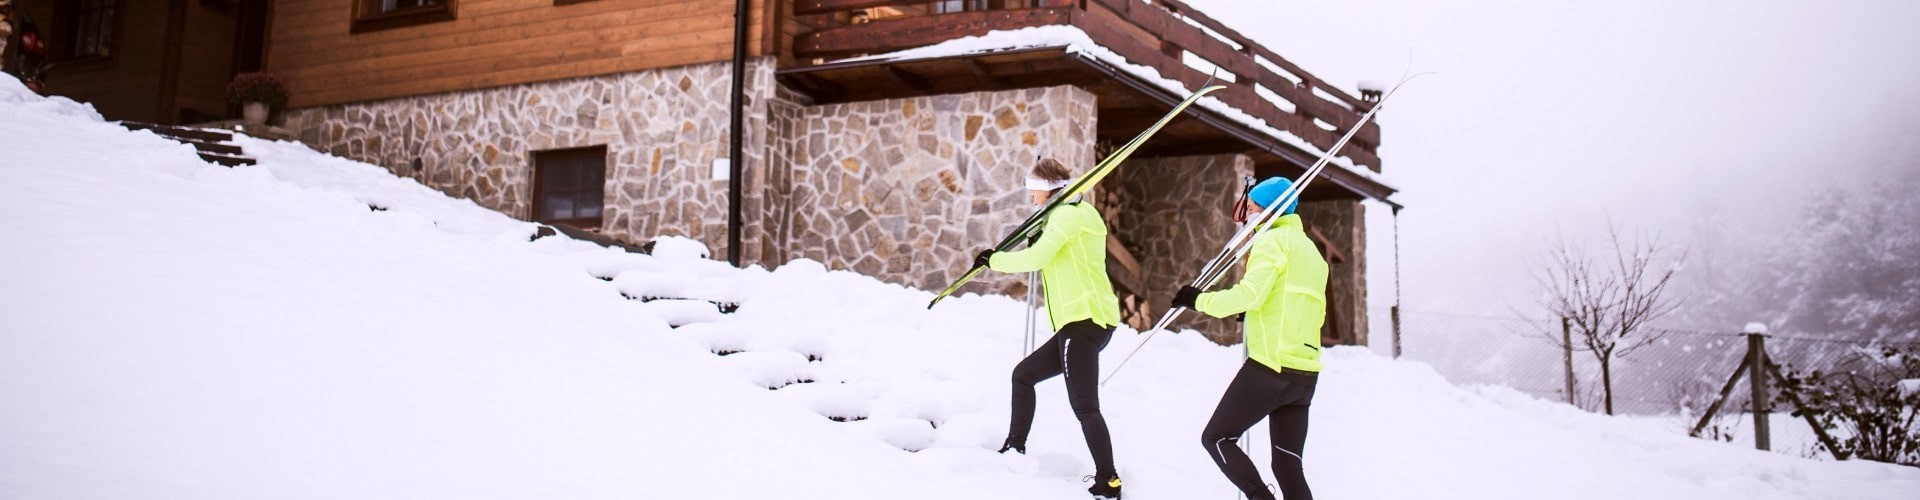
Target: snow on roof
{"x":1077,"y":42}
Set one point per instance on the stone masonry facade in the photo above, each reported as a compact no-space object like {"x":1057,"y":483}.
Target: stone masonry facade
{"x":663,"y":130}
{"x":1342,"y":225}
{"x":905,"y":189}
{"x":909,"y":189}
{"x":1174,"y":214}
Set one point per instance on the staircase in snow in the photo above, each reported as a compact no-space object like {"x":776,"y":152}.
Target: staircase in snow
{"x":214,"y":145}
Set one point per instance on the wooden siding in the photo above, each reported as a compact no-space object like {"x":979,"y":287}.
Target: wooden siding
{"x":493,"y":43}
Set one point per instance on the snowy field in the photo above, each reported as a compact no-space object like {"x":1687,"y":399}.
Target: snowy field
{"x":176,"y":329}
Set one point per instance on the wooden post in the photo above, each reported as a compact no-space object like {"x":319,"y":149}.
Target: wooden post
{"x":1566,"y":348}
{"x":1757,"y":359}
{"x":1725,"y":391}
{"x":1818,"y":431}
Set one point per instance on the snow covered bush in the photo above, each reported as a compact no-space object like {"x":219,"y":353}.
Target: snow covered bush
{"x":1869,"y":400}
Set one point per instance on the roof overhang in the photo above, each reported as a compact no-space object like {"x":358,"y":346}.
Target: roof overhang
{"x":1127,"y":103}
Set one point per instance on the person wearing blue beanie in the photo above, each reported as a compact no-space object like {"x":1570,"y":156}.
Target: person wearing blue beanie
{"x":1268,"y":191}
{"x":1283,"y":293}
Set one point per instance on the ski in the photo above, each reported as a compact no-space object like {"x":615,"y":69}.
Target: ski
{"x":1078,"y":187}
{"x":1241,"y":242}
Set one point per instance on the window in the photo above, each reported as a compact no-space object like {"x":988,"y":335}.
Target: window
{"x":570,"y":186}
{"x":92,"y":29}
{"x":952,"y":6}
{"x":375,"y":15}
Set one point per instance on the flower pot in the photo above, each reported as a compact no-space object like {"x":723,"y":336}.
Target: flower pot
{"x":254,"y":112}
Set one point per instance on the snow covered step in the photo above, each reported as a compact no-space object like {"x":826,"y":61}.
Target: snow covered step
{"x":212,"y":145}
{"x":678,"y":312}
{"x":181,"y":133}
{"x":840,"y":402}
{"x":608,"y":265}
{"x":738,"y":336}
{"x":771,"y":369}
{"x":650,"y":284}
{"x":903,"y":433}
{"x":227,"y":160}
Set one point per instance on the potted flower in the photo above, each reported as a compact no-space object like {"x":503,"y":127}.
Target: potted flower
{"x":257,"y":94}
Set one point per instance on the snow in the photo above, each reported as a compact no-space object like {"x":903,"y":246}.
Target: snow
{"x":1755,"y":327}
{"x":182,"y":330}
{"x":1077,"y":42}
{"x":679,"y":247}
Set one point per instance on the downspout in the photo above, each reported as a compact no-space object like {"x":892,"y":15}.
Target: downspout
{"x":1396,"y":282}
{"x":735,"y":158}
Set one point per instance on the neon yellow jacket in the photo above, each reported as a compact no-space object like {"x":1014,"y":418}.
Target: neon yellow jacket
{"x":1071,"y":256}
{"x":1284,"y":296}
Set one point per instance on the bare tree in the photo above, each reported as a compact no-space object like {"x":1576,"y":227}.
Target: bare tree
{"x":1608,"y":304}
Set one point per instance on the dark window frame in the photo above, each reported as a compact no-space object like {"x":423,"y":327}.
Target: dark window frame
{"x":368,"y":17}
{"x":957,"y":6}
{"x":540,"y":161}
{"x":70,"y":16}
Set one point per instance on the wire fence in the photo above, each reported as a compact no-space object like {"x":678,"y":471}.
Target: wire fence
{"x":1675,"y":375}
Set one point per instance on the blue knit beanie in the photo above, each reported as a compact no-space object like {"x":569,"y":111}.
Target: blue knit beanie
{"x":1268,"y":191}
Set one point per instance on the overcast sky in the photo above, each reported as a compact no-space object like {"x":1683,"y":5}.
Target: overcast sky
{"x":1549,"y":118}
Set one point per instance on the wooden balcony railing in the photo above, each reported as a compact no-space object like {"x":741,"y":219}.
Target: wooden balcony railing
{"x":1164,"y":35}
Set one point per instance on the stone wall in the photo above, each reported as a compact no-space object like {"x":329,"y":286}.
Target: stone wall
{"x":663,"y":130}
{"x":1342,"y":224}
{"x":909,"y":189}
{"x":905,"y":189}
{"x":1174,"y":214}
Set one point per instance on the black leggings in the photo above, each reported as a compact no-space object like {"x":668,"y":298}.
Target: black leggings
{"x":1074,"y":351}
{"x":1282,"y":398}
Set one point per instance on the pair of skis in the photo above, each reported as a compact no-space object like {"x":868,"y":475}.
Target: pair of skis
{"x":1078,"y":187}
{"x":1241,"y":242}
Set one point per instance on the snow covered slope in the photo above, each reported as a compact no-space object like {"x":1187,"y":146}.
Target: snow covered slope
{"x":175,"y":329}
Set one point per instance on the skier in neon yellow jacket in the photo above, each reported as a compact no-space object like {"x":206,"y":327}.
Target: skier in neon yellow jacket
{"x":1284,"y":297}
{"x":1071,"y":255}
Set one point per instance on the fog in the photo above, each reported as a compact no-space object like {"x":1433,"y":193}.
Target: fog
{"x":1676,"y":119}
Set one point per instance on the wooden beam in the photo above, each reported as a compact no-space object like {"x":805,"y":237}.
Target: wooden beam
{"x":919,"y":31}
{"x":907,"y":78}
{"x":980,"y":69}
{"x":811,"y":7}
{"x":825,"y":85}
{"x":1334,"y":254}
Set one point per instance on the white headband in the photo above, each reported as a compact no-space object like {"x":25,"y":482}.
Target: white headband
{"x":1045,"y":185}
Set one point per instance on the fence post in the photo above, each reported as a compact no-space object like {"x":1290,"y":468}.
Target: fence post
{"x":1757,"y":379}
{"x":1395,"y":311}
{"x":1566,"y":347}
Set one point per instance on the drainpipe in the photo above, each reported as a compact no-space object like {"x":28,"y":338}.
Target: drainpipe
{"x":735,"y":159}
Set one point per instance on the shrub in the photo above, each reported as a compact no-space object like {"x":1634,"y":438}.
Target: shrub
{"x":258,"y":87}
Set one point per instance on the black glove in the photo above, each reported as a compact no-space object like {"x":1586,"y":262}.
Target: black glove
{"x":980,"y":260}
{"x":1185,"y":297}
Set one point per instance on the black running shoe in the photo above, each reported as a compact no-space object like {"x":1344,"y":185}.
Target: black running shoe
{"x":1015,"y":445}
{"x":1107,"y":488}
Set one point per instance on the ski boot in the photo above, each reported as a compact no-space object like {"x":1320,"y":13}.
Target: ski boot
{"x":1015,"y":445}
